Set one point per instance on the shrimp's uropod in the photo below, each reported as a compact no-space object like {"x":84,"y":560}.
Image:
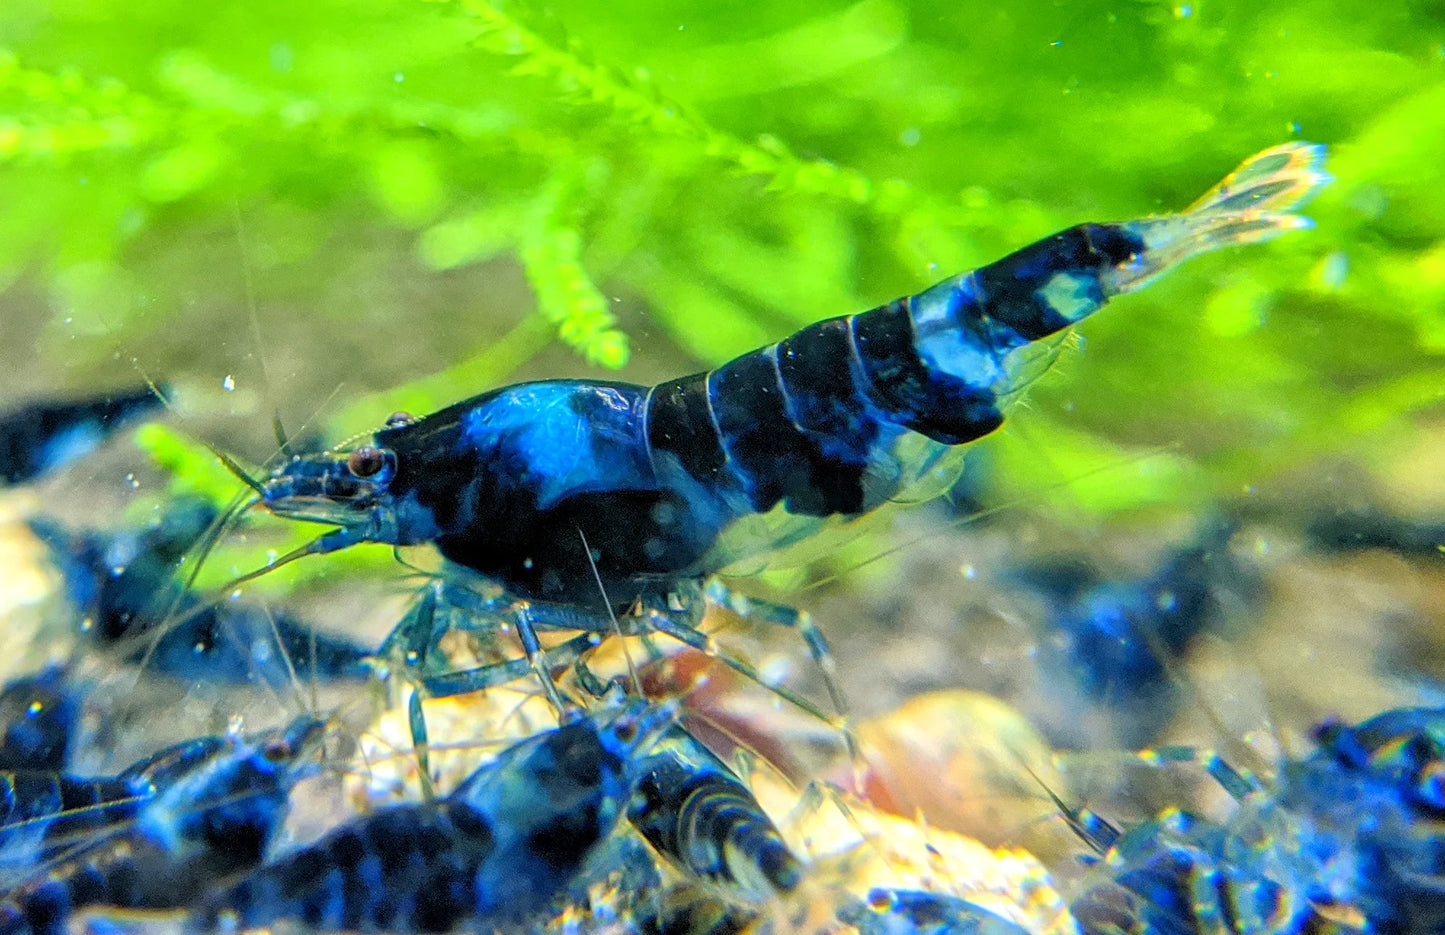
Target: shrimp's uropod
{"x":214,"y":821}
{"x":555,"y":491}
{"x":499,"y":848}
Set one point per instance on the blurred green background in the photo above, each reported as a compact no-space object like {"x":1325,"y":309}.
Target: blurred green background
{"x":333,"y":210}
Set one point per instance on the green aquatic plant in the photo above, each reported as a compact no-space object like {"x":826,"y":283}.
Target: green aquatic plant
{"x":358,"y":207}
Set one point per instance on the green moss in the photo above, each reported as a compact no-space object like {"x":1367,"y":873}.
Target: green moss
{"x":426,"y":198}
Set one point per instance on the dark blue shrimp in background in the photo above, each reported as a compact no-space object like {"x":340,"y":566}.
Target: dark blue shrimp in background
{"x":1117,"y":640}
{"x":44,"y":436}
{"x":560,"y":489}
{"x":499,"y":848}
{"x":1349,"y":836}
{"x":124,"y":586}
{"x":1375,"y":528}
{"x":215,"y":821}
{"x":39,"y":717}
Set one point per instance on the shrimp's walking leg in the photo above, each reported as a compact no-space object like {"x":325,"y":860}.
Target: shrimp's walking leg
{"x":537,"y":658}
{"x":677,"y":618}
{"x":410,"y":645}
{"x":676,"y":626}
{"x":801,"y":622}
{"x":782,"y":615}
{"x":482,"y":678}
{"x":1239,"y":783}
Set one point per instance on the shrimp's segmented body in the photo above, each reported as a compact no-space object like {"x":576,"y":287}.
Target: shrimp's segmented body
{"x":501,"y":846}
{"x":697,"y":814}
{"x":553,"y":488}
{"x":45,"y":814}
{"x":215,"y":820}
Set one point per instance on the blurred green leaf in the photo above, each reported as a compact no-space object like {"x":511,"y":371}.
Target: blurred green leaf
{"x":364,"y":206}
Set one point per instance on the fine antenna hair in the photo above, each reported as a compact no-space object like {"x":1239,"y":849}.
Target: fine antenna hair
{"x":611,"y":615}
{"x":225,"y":520}
{"x":172,"y":616}
{"x":283,"y":444}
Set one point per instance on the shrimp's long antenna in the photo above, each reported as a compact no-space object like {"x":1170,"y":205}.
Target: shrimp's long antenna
{"x":235,"y":468}
{"x":320,"y":545}
{"x":283,"y":443}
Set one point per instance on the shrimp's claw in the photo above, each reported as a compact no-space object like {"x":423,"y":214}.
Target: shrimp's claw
{"x":1255,"y":202}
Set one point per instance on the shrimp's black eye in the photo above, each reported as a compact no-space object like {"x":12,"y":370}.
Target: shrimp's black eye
{"x":398,"y":419}
{"x":365,"y":461}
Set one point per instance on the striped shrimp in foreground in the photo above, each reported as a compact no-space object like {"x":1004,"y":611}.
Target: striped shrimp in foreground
{"x":543,"y":496}
{"x":214,"y":821}
{"x":498,"y":849}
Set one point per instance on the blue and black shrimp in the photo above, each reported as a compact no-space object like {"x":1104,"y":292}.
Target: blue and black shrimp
{"x":699,"y":816}
{"x":1116,"y":640}
{"x":125,"y":588}
{"x":501,"y":847}
{"x":562,"y":491}
{"x":212,"y":822}
{"x":1348,"y":837}
{"x":39,"y":717}
{"x":46,"y":435}
{"x":45,"y":814}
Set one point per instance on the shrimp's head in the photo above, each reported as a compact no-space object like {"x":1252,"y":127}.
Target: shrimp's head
{"x":240,"y":792}
{"x":342,"y":487}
